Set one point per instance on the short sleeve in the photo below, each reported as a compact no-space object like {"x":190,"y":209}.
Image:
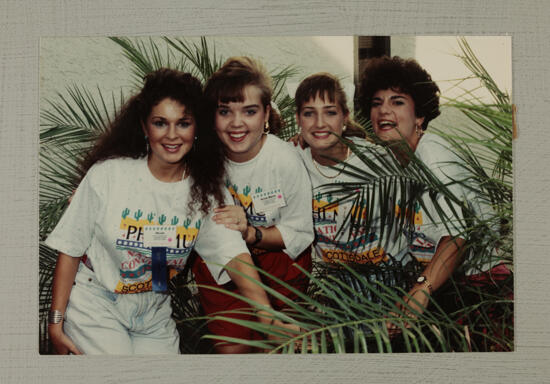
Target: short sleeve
{"x":296,"y":224}
{"x":74,"y":232}
{"x":217,"y":246}
{"x":439,"y":216}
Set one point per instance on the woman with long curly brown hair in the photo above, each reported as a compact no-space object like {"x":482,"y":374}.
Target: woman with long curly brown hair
{"x":148,"y":189}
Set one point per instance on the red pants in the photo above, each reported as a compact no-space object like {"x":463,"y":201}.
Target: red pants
{"x":277,"y":264}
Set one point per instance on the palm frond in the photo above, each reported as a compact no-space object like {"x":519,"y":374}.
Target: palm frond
{"x":146,"y":56}
{"x":347,"y":310}
{"x":202,"y":59}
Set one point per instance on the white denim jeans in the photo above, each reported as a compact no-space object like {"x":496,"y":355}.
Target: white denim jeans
{"x":103,"y":322}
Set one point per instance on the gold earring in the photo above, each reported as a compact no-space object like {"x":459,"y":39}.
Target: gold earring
{"x":418,"y":130}
{"x":266,"y":127}
{"x":344,"y":128}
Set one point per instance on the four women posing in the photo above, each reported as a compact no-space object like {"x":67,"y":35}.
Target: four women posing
{"x":179,"y":171}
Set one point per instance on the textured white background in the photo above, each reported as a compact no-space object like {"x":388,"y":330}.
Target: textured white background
{"x":22,"y":23}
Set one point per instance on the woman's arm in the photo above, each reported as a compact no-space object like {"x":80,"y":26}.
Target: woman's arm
{"x":63,"y":279}
{"x":447,"y":256}
{"x":252,"y":290}
{"x":271,"y":238}
{"x":233,"y":217}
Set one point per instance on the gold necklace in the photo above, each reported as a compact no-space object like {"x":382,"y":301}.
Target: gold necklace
{"x":327,"y":176}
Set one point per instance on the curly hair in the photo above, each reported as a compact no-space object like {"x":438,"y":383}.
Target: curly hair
{"x":404,"y":75}
{"x":321,"y":84}
{"x":205,"y":163}
{"x":227,"y":85}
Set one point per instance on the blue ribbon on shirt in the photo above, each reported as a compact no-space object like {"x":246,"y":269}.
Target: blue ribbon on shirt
{"x":159,"y":269}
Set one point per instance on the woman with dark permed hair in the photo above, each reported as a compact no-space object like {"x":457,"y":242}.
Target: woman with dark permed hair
{"x":147,"y":191}
{"x":401,"y":99}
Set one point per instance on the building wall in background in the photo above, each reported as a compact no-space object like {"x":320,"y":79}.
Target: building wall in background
{"x":99,"y":63}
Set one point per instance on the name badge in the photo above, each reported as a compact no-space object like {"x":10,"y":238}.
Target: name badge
{"x":268,"y":200}
{"x":159,"y":236}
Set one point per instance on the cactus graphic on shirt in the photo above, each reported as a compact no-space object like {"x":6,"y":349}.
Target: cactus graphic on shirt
{"x":132,"y":226}
{"x":227,"y":183}
{"x":186,"y":223}
{"x":174,"y":220}
{"x":324,"y":209}
{"x":231,"y":188}
{"x":185,"y":235}
{"x":162,"y":219}
{"x":245,"y":199}
{"x":258,"y":190}
{"x":318,"y":196}
{"x":417,"y":214}
{"x":415,"y":217}
{"x":150,"y":217}
{"x":358,"y":211}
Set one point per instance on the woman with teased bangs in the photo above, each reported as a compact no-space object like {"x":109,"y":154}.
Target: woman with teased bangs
{"x":325,"y":125}
{"x":270,"y":188}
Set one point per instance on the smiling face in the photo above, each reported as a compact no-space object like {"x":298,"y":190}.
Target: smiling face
{"x":320,"y":120}
{"x":393,"y":117}
{"x":240,"y":125}
{"x":170,"y":129}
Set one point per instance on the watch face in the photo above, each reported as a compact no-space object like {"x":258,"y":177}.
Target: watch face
{"x":421,"y":279}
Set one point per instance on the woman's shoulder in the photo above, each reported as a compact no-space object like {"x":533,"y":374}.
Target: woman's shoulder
{"x":434,"y":148}
{"x":438,"y":155}
{"x":281,"y":150}
{"x":115,"y":167}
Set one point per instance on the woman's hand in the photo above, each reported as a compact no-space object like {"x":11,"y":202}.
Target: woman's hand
{"x":293,"y":329}
{"x":416,"y":302}
{"x":447,"y":256}
{"x":298,"y":139}
{"x":290,"y":330}
{"x":233,"y":217}
{"x":61,"y":343}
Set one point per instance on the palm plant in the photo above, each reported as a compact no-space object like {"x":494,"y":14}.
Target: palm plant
{"x":347,"y":309}
{"x":70,"y":125}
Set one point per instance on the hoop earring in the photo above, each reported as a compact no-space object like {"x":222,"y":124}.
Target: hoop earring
{"x":266,"y":127}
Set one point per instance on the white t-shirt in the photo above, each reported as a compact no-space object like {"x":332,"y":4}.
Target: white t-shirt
{"x":434,"y":151}
{"x":274,"y":189}
{"x":335,"y":240}
{"x":106,"y":218}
